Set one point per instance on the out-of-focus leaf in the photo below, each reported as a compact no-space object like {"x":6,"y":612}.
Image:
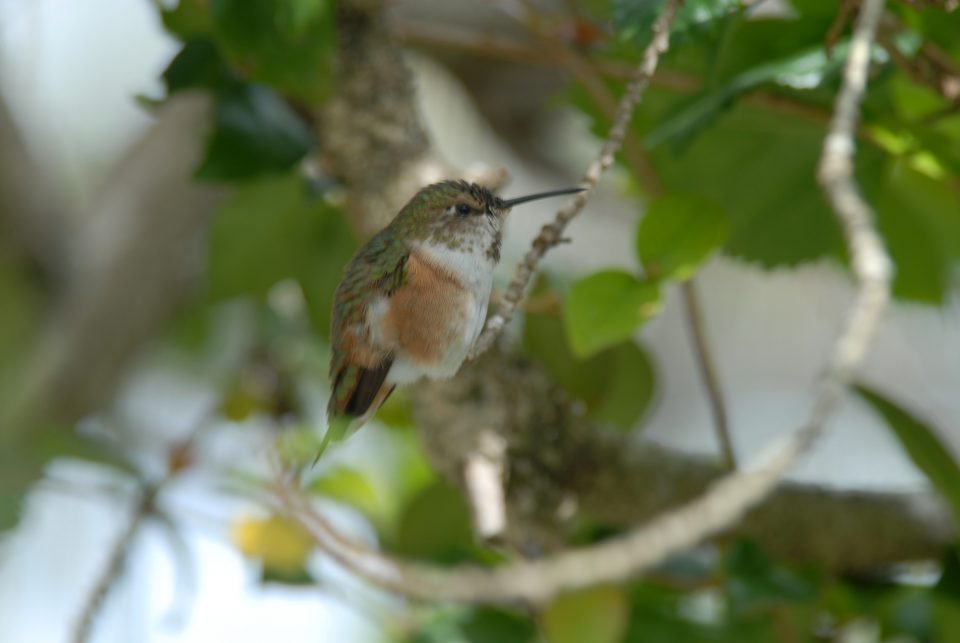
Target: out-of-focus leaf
{"x":488,"y":625}
{"x":198,"y":64}
{"x":255,"y":133}
{"x":287,"y":44}
{"x":633,"y":19}
{"x":616,"y":385}
{"x":677,"y":233}
{"x":946,"y":618}
{"x":949,"y":583}
{"x":761,"y":168}
{"x":350,"y":487}
{"x":273,"y":229}
{"x":22,"y":308}
{"x":260,"y":237}
{"x":753,"y":581}
{"x":301,"y":14}
{"x":189,"y":19}
{"x":279,"y":543}
{"x":397,"y":410}
{"x":598,"y":615}
{"x":630,"y":387}
{"x":606,"y":308}
{"x":435,"y":526}
{"x":332,"y":247}
{"x":804,"y":70}
{"x":921,"y":443}
{"x":909,"y":611}
{"x":18,"y":472}
{"x":919,"y":218}
{"x":544,"y":338}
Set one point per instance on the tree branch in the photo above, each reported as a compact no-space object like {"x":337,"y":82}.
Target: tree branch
{"x":135,"y":259}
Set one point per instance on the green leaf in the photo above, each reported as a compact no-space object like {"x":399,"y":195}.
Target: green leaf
{"x":488,"y":625}
{"x":803,"y":70}
{"x":255,"y":133}
{"x":274,"y":229}
{"x":629,"y":388}
{"x":921,"y":443}
{"x":754,"y":582}
{"x":287,"y":44}
{"x":189,"y":19}
{"x":761,"y":167}
{"x":616,"y":385}
{"x":435,"y":525}
{"x":197,"y":65}
{"x":350,"y":487}
{"x":606,"y":308}
{"x":920,"y":222}
{"x":633,"y":19}
{"x":598,"y":615}
{"x":677,"y":233}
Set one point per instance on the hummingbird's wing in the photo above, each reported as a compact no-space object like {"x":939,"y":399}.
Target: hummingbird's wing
{"x":359,"y":366}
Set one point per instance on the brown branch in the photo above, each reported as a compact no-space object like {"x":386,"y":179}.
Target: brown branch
{"x":552,"y":234}
{"x":135,"y":259}
{"x":708,"y":372}
{"x":559,"y":462}
{"x":32,"y":222}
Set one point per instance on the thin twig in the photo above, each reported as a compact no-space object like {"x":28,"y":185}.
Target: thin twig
{"x":731,"y":497}
{"x":552,"y":233}
{"x":708,"y":372}
{"x":114,"y":567}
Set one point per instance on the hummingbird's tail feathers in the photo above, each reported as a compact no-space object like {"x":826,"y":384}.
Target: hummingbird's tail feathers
{"x":356,"y":388}
{"x":342,"y":423}
{"x":368,"y":386}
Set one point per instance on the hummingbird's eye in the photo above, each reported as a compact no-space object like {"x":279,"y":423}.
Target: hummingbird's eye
{"x":463,"y":209}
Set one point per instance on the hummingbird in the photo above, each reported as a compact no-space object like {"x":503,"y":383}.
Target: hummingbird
{"x":413,"y":299}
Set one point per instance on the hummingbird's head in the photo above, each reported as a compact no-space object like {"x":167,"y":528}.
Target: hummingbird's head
{"x":461,"y":215}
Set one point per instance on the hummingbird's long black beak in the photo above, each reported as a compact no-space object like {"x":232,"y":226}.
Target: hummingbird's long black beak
{"x":509,"y":203}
